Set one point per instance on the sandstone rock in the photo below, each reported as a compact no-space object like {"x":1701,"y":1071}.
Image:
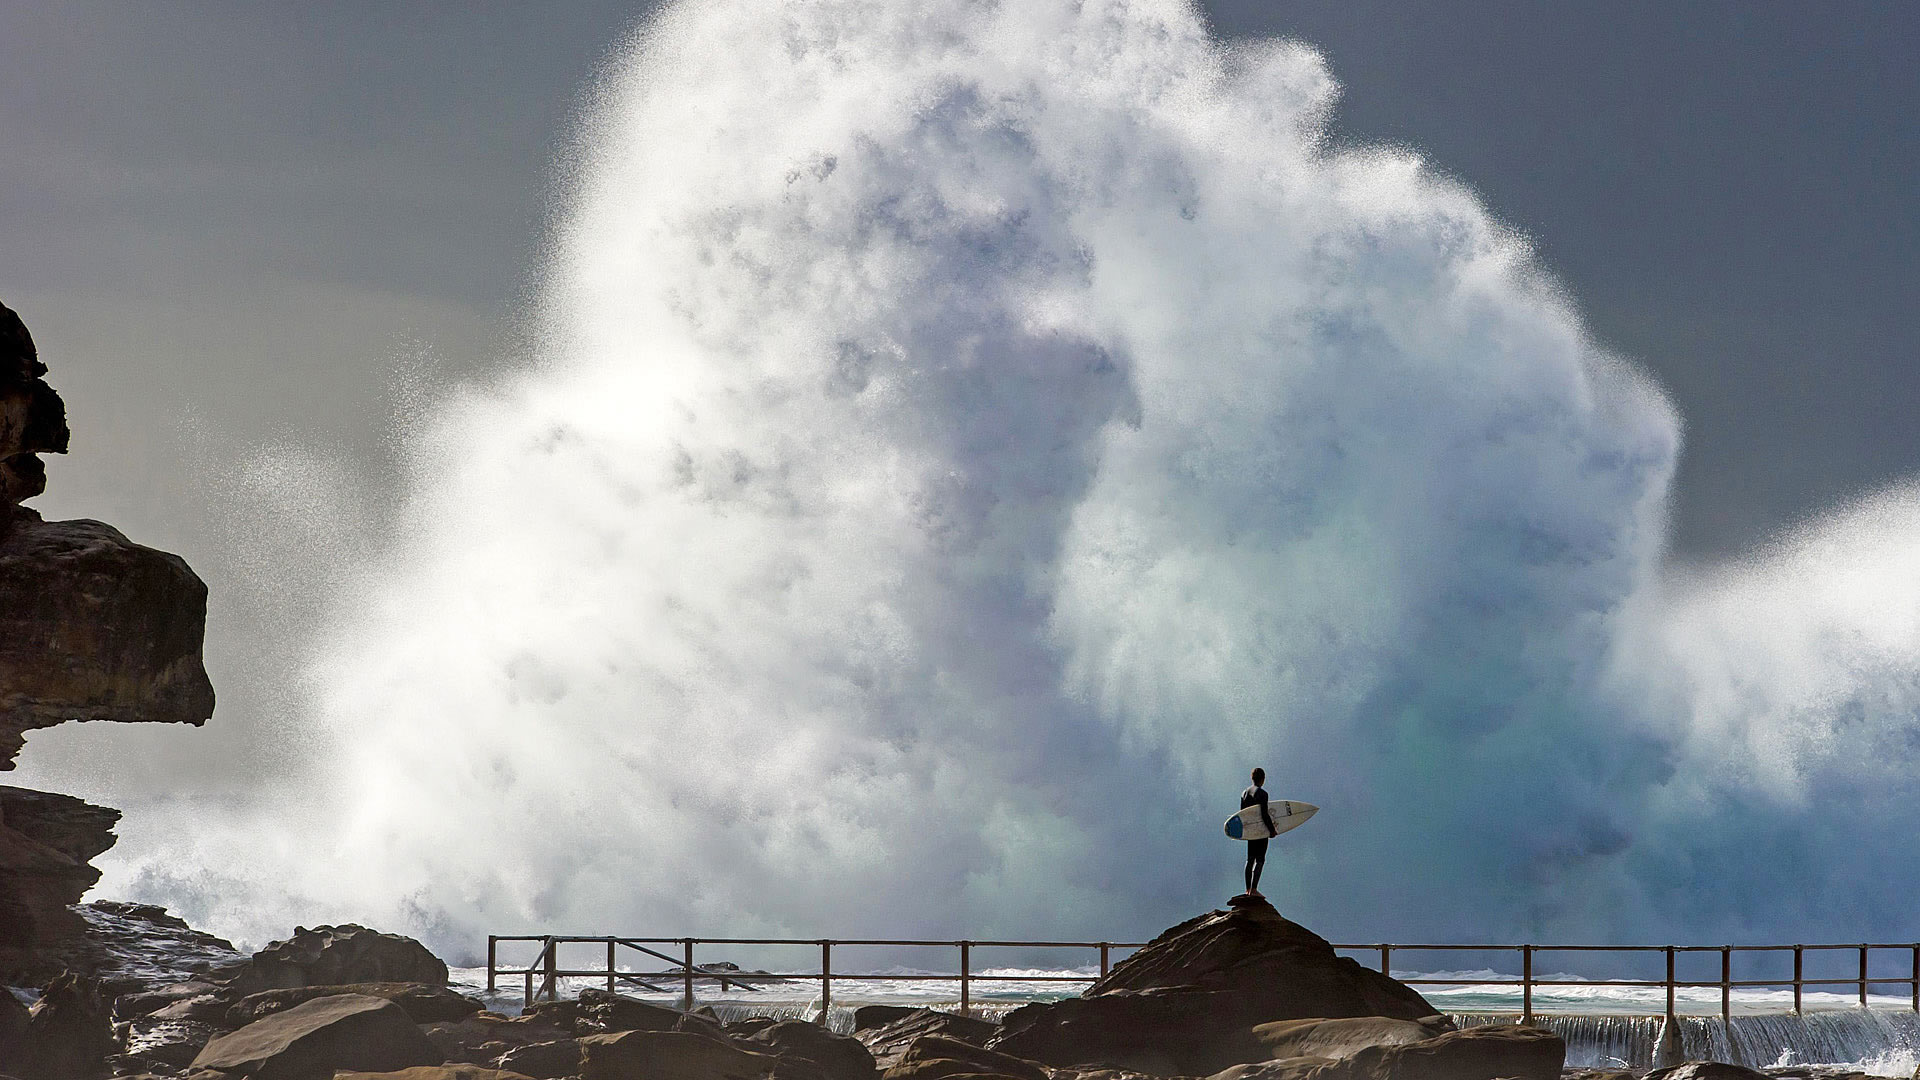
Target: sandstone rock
{"x":75,"y":828}
{"x":1481,"y":1053}
{"x":425,"y":1004}
{"x":148,"y":1002}
{"x":544,"y":1061}
{"x":1186,"y":1004}
{"x":95,"y":627}
{"x":873,"y":1016}
{"x":70,"y":1030}
{"x":933,"y":1057}
{"x":339,"y":956}
{"x":668,"y":1055}
{"x":174,"y":1043}
{"x":434,"y":1072}
{"x":1294,"y":1068}
{"x":14,"y":1025}
{"x":598,"y":1012}
{"x":836,"y":1057}
{"x":1343,"y":1037}
{"x":136,"y":949}
{"x":45,"y":842}
{"x":890,"y":1040}
{"x":314,"y":1038}
{"x":1705,"y":1070}
{"x":1493,"y":1052}
{"x":33,"y":419}
{"x":482,"y":1038}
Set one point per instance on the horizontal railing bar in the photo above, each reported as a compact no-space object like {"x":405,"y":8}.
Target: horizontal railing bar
{"x":1625,"y":948}
{"x":952,"y":943}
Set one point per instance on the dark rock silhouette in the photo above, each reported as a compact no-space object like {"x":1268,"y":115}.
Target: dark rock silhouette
{"x":1187,"y":1003}
{"x":338,"y":956}
{"x":92,"y":627}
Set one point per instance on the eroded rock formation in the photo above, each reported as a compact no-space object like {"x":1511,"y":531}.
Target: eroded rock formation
{"x":92,"y":627}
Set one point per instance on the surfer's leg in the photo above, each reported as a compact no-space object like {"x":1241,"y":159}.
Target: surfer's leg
{"x":1256,"y":862}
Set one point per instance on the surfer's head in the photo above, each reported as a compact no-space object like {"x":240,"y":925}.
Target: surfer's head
{"x":1259,"y":777}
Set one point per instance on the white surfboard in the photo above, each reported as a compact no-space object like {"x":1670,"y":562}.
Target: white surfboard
{"x":1286,"y":814}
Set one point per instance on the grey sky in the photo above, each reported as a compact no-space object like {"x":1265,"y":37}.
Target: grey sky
{"x":226,"y":223}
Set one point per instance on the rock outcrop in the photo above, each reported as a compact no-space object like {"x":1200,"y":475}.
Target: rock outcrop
{"x":313,"y":1039}
{"x":1187,"y":1003}
{"x":339,"y":956}
{"x":92,"y":627}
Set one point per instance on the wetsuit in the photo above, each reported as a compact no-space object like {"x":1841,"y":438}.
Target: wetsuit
{"x":1256,"y":849}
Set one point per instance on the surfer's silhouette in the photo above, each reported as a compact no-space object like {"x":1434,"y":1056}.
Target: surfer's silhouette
{"x":1257,"y":849}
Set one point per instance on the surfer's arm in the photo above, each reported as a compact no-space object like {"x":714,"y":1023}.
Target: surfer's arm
{"x":1264,"y":815}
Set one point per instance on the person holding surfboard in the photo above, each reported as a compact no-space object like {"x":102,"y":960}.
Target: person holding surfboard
{"x":1256,"y":795}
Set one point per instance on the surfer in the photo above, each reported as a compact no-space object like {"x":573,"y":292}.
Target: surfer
{"x":1257,"y":849}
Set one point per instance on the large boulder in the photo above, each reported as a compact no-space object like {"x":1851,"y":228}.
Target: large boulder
{"x":425,"y":1004}
{"x":544,"y":1061}
{"x":45,"y":843}
{"x":669,"y":1055}
{"x":482,"y":1038}
{"x":1343,"y":1037}
{"x":94,"y":627}
{"x":339,"y":956}
{"x":314,"y":1038}
{"x":1186,"y":1003}
{"x":15,"y":1023}
{"x":1493,"y":1052}
{"x":937,"y":1058}
{"x":833,"y":1057}
{"x":70,"y":1030}
{"x":890,"y":1040}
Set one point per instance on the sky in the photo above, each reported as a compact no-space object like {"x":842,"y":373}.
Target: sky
{"x":263,"y":247}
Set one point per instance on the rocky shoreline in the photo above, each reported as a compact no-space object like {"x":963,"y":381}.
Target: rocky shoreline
{"x":1234,"y":994}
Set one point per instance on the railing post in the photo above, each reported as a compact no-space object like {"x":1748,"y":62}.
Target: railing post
{"x":966,"y":964}
{"x":526,"y":992}
{"x":1916,"y":978}
{"x":1863,"y":976}
{"x":1669,"y":983}
{"x":826,"y":981}
{"x":1526,"y":984}
{"x":610,"y":965}
{"x":1727,"y":984}
{"x":689,"y":974}
{"x":553,"y":965}
{"x":493,"y":947}
{"x":1386,"y":959}
{"x":1105,"y":967}
{"x":1797,"y":950}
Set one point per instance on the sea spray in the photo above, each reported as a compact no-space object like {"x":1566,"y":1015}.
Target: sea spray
{"x":964,"y":438}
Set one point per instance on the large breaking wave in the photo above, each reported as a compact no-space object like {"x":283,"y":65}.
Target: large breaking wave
{"x":965,"y":438}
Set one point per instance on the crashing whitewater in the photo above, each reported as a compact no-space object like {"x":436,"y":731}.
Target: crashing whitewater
{"x":963,"y":438}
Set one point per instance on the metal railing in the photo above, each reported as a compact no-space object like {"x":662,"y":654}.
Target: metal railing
{"x":1726,"y":983}
{"x":546,"y":965}
{"x":685,"y":972}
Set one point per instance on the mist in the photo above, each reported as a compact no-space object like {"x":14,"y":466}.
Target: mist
{"x":961,"y":441}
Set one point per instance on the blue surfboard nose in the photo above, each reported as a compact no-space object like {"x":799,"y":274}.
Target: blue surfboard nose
{"x":1234,"y":827}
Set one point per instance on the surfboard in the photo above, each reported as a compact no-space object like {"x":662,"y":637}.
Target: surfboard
{"x":1286,"y":814}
